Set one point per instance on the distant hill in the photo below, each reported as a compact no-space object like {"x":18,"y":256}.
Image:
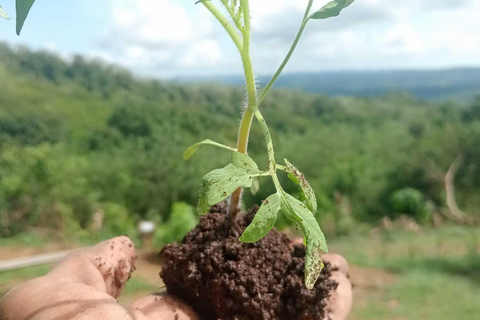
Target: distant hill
{"x":458,"y":84}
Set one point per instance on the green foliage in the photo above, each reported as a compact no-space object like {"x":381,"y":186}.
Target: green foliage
{"x":263,"y":221}
{"x":331,"y":9}
{"x":307,"y":193}
{"x":3,"y":14}
{"x":218,"y":184}
{"x":23,"y":8}
{"x":298,"y":212}
{"x":189,"y":152}
{"x":62,"y":157}
{"x":182,"y":219}
{"x":411,"y":202}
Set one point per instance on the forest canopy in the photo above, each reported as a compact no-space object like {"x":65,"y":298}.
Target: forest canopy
{"x":81,"y":136}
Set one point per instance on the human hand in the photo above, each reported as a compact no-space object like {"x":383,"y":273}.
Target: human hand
{"x":87,"y":282}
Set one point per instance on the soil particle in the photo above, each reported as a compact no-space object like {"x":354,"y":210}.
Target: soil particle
{"x":225,"y":279}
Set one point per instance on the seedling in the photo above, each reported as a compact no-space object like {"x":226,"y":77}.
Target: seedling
{"x":243,"y":172}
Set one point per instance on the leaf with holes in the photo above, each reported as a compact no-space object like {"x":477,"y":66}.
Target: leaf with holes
{"x":263,"y":221}
{"x":331,"y":9}
{"x":307,"y":190}
{"x":242,"y":161}
{"x":218,"y":184}
{"x":314,"y":238}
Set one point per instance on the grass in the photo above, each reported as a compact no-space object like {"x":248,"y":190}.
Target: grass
{"x":9,"y":279}
{"x":437,"y":274}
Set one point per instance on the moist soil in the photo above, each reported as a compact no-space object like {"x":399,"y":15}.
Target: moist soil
{"x":223,"y":278}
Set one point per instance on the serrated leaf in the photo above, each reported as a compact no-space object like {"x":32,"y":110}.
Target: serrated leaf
{"x":307,"y":190}
{"x":3,"y":14}
{"x":189,"y":152}
{"x":218,"y":184}
{"x":331,"y":9}
{"x":241,"y":160}
{"x":23,"y":8}
{"x":314,"y":238}
{"x":263,"y":221}
{"x":255,"y":186}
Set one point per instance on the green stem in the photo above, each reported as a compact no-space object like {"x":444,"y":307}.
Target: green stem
{"x":246,"y":123}
{"x":272,"y":165}
{"x":231,"y":12}
{"x":224,"y":22}
{"x":270,"y":84}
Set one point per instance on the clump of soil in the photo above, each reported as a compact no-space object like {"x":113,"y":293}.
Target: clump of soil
{"x":223,"y":278}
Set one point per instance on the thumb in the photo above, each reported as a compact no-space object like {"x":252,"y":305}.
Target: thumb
{"x":106,"y":266}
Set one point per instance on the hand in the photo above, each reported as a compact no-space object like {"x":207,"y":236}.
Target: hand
{"x":86,"y":283}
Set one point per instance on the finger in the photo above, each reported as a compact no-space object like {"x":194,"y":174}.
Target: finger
{"x":160,"y":307}
{"x":337,"y":262}
{"x":105,"y":267}
{"x":83,"y":286}
{"x":340,"y":302}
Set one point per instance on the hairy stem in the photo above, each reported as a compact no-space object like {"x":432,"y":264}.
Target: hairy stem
{"x":270,"y":84}
{"x":224,"y":22}
{"x":247,"y":118}
{"x":272,"y":165}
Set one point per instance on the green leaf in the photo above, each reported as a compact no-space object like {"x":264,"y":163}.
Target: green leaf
{"x":200,"y":1}
{"x":218,"y":184}
{"x":191,"y":150}
{"x":23,"y":8}
{"x":3,"y":14}
{"x":331,"y":9}
{"x":263,"y":221}
{"x":255,"y":186}
{"x":315,"y":240}
{"x":307,"y":190}
{"x":242,"y":161}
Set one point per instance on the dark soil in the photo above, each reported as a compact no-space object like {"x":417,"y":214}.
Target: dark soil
{"x":225,"y":279}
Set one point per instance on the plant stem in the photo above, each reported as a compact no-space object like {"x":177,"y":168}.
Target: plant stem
{"x":272,"y":165}
{"x":224,"y":22}
{"x":247,"y":117}
{"x":269,"y":86}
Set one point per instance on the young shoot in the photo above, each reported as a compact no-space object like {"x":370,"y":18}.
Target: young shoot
{"x":243,"y":172}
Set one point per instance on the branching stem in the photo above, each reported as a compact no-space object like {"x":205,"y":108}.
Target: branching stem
{"x":270,"y":84}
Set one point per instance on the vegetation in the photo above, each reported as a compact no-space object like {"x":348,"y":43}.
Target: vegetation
{"x":80,"y":136}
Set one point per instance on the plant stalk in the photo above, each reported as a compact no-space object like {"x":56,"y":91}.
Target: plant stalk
{"x":270,"y":84}
{"x":246,"y":123}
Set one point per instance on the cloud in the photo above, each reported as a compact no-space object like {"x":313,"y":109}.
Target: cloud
{"x":170,"y":37}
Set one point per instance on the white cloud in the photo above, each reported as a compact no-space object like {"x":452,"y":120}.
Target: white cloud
{"x":161,"y":37}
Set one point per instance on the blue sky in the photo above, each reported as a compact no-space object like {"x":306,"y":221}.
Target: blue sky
{"x":168,"y":38}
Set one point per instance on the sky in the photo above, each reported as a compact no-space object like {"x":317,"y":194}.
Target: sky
{"x":176,"y":38}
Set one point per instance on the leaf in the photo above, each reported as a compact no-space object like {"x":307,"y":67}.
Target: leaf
{"x":200,"y":1}
{"x":23,"y":8}
{"x":263,"y":221}
{"x":189,"y":152}
{"x":255,"y":186}
{"x":307,"y":190}
{"x":315,"y":240}
{"x":331,"y":9}
{"x":241,"y":160}
{"x":218,"y":184}
{"x":3,"y":14}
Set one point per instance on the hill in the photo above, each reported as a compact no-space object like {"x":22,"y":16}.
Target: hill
{"x":80,"y":136}
{"x":461,"y":84}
